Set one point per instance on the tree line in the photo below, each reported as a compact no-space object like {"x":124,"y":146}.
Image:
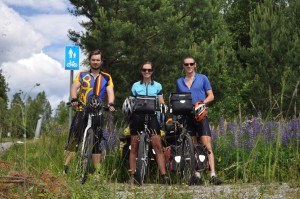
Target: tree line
{"x":249,"y":49}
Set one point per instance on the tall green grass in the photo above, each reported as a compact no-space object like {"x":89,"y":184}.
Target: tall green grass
{"x":248,"y":151}
{"x":257,"y":151}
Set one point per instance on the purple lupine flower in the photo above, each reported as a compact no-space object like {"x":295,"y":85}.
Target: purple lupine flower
{"x":240,"y":135}
{"x":284,"y":130}
{"x":109,"y":141}
{"x":266,"y":130}
{"x":231,"y":130}
{"x":222,"y":126}
{"x":247,"y":131}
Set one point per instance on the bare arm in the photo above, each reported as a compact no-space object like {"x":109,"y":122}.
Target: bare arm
{"x":209,"y":98}
{"x":111,"y":97}
{"x":161,"y":100}
{"x":75,"y":86}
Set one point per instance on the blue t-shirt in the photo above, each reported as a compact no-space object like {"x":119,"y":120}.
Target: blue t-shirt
{"x":198,"y":89}
{"x":152,"y":89}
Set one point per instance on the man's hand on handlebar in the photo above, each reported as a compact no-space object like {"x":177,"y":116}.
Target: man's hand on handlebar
{"x":75,"y":102}
{"x":111,"y":107}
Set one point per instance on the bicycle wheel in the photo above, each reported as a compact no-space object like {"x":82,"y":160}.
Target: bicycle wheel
{"x":187,"y":162}
{"x":86,"y":155}
{"x":142,"y":159}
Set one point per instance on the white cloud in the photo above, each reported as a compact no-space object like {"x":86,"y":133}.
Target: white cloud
{"x":32,"y":47}
{"x":42,"y":69}
{"x":54,"y":27}
{"x":48,"y":5}
{"x":17,"y":39}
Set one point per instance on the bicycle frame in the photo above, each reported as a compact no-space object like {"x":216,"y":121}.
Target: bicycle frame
{"x":87,"y":139}
{"x":143,"y":149}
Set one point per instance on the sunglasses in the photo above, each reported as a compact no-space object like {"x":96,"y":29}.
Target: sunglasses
{"x":147,"y":70}
{"x":189,"y":64}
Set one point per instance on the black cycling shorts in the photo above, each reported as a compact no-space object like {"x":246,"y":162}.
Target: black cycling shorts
{"x":198,"y":128}
{"x":98,"y":121}
{"x":136,"y":124}
{"x":76,"y":130}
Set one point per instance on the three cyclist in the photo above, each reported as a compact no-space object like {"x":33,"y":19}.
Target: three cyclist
{"x":89,"y":82}
{"x":197,"y":84}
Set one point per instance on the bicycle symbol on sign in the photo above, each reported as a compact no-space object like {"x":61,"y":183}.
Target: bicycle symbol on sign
{"x":72,"y":64}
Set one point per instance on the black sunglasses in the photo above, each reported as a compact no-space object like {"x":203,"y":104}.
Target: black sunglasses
{"x":187,"y":64}
{"x":147,"y":70}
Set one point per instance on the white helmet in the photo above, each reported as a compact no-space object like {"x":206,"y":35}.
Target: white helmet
{"x":127,"y":107}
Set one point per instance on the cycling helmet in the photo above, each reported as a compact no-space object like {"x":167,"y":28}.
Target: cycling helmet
{"x":200,"y":111}
{"x":127,"y":107}
{"x":93,"y":102}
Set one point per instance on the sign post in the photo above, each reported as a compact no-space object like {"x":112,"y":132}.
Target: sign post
{"x":71,"y":63}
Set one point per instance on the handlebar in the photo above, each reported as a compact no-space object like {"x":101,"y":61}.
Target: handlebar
{"x":105,"y":107}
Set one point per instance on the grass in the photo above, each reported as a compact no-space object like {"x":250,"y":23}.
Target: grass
{"x":250,"y":151}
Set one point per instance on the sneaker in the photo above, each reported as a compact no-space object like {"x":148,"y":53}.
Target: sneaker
{"x":196,"y":179}
{"x":215,"y":180}
{"x":66,"y":169}
{"x":164,"y":179}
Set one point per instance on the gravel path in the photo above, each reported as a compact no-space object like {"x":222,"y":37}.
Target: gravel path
{"x":244,"y":191}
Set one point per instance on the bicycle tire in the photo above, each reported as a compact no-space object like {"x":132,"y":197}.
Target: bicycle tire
{"x":187,"y":163}
{"x":86,"y":155}
{"x":142,"y":159}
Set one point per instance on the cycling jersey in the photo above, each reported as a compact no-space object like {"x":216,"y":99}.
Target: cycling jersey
{"x":152,"y":89}
{"x":88,"y":83}
{"x":137,"y":121}
{"x":198,"y":89}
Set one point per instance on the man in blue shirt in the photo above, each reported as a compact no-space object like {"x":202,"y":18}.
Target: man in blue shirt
{"x":201,"y":90}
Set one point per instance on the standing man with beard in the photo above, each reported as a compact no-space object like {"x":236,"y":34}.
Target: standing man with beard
{"x":92,"y":81}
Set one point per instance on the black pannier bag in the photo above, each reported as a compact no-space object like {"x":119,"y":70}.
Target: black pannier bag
{"x":145,"y":105}
{"x":181,"y":103}
{"x":202,"y":160}
{"x":173,"y":153}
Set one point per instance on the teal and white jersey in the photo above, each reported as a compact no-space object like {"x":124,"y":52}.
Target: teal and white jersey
{"x":152,"y":89}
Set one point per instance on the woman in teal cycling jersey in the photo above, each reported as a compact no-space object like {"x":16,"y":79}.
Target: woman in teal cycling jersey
{"x":147,"y":87}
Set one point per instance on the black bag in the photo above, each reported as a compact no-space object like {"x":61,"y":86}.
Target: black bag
{"x":172,"y":153}
{"x":202,"y":157}
{"x":181,"y":103}
{"x":145,"y":105}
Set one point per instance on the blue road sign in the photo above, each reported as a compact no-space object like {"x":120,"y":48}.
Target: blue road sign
{"x":72,"y":58}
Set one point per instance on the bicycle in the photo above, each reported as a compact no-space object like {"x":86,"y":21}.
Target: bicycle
{"x":146,"y":106}
{"x":94,"y":124}
{"x":189,"y":158}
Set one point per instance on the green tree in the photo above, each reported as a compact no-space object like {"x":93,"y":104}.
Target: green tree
{"x":3,"y":103}
{"x":36,"y":107}
{"x":274,"y":42}
{"x":129,"y":32}
{"x":61,"y":114}
{"x":17,"y":116}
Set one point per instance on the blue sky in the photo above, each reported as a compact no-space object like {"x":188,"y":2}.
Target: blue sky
{"x":33,"y":36}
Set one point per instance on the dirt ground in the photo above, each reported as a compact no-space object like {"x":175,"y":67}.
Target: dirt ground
{"x":17,"y":185}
